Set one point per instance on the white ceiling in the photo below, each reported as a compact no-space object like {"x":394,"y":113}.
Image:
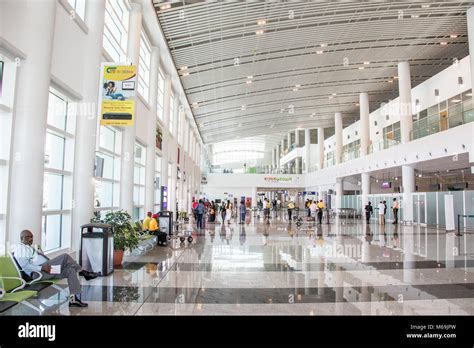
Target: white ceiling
{"x":207,"y":37}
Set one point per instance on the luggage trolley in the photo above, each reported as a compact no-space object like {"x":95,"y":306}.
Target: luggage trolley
{"x":183,"y":235}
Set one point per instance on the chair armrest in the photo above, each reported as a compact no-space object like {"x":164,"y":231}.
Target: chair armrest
{"x":40,"y":276}
{"x":23,"y":282}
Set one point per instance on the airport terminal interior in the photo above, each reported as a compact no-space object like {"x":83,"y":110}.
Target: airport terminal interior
{"x":192,"y":157}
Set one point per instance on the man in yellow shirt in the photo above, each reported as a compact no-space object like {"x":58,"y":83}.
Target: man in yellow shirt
{"x":320,"y":211}
{"x":154,"y":223}
{"x":146,"y":222}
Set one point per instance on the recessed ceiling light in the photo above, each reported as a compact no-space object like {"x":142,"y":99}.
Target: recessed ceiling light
{"x":366,"y":63}
{"x":356,"y":104}
{"x":165,"y":7}
{"x":443,"y":43}
{"x":297,"y":86}
{"x":186,"y":74}
{"x":250,"y":77}
{"x":456,"y":100}
{"x":183,"y":68}
{"x":453,"y":36}
{"x":324,"y":45}
{"x":395,"y":77}
{"x":414,"y":16}
{"x":425,"y":6}
{"x":195,"y":105}
{"x":390,"y":81}
{"x":261,"y":22}
{"x":259,"y":32}
{"x":334,"y":94}
{"x":361,"y":68}
{"x":330,"y":97}
{"x":249,"y":82}
{"x":295,"y":89}
{"x":243,"y":107}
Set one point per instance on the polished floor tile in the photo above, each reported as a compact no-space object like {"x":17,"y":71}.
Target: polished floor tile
{"x":345,"y":268}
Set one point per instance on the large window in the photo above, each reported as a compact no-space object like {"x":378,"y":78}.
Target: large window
{"x":161,"y":95}
{"x":58,"y":169}
{"x":144,"y":63}
{"x":116,"y":29}
{"x":172,"y":116}
{"x":79,"y":7}
{"x":139,"y":182}
{"x":158,"y":183}
{"x":242,"y":150}
{"x":107,"y":173}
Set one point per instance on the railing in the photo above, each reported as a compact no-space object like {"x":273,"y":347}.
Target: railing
{"x":351,"y":154}
{"x":425,"y":127}
{"x":382,"y":144}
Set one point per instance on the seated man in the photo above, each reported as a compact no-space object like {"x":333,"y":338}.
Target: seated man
{"x":31,"y":260}
{"x":146,"y":222}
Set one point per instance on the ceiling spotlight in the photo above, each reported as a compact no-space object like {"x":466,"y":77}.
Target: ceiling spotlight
{"x":419,"y":175}
{"x":330,"y":97}
{"x":183,"y":68}
{"x":249,"y":82}
{"x":453,"y":36}
{"x":366,"y":63}
{"x":425,"y":6}
{"x":250,"y":77}
{"x":165,"y":7}
{"x":297,"y":86}
{"x":324,"y":45}
{"x":395,"y":77}
{"x":443,"y":43}
{"x":334,"y":94}
{"x":361,"y":68}
{"x":356,"y":104}
{"x":186,"y":74}
{"x":261,"y":22}
{"x":319,"y":52}
{"x":295,"y":89}
{"x":414,"y":16}
{"x":259,"y":32}
{"x":243,"y":107}
{"x":390,"y":81}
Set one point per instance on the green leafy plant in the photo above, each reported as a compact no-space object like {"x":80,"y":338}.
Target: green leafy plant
{"x":125,"y":235}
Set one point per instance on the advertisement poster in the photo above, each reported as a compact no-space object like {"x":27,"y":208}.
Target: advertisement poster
{"x":117,"y":102}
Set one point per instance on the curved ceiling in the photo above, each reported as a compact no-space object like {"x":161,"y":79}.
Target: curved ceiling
{"x":266,"y":67}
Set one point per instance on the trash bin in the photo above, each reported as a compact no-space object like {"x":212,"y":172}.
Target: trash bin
{"x":165,"y":221}
{"x":97,"y":248}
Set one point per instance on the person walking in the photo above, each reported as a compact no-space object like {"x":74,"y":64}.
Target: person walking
{"x":395,"y":211}
{"x":385,"y":211}
{"x":200,"y":213}
{"x":228,"y":212}
{"x":381,"y":208}
{"x":222,"y":212}
{"x":266,"y":211}
{"x":243,"y":211}
{"x":368,"y":211}
{"x":291,"y":206}
{"x":313,"y":207}
{"x":320,"y":211}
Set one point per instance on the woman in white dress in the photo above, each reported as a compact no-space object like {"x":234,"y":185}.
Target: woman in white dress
{"x":228,"y":212}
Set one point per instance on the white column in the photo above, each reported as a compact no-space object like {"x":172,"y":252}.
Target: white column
{"x":364,"y":123}
{"x":151,"y":149}
{"x":365,"y":179}
{"x":404,"y":89}
{"x":339,"y":192}
{"x":86,"y":127}
{"x":30,"y":117}
{"x":279,"y":148}
{"x":470,"y":37}
{"x":321,"y":147}
{"x":338,"y":137}
{"x":273,"y":159}
{"x":297,"y":138}
{"x":128,"y":138}
{"x":307,"y":144}
{"x":408,"y":181}
{"x":289,"y":140}
{"x":166,"y":139}
{"x":283,"y":144}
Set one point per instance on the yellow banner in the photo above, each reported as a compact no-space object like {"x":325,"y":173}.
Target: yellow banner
{"x":118,"y":95}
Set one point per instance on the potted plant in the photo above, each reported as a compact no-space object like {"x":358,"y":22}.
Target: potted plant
{"x":125,"y":237}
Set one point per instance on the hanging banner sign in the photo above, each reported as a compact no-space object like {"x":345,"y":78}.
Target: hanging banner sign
{"x":117,"y":97}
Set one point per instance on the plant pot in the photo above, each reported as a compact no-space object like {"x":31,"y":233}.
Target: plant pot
{"x":118,"y":257}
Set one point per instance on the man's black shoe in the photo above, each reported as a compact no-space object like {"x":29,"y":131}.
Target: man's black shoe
{"x":88,"y":275}
{"x":74,"y":301}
